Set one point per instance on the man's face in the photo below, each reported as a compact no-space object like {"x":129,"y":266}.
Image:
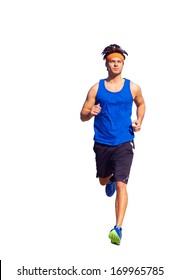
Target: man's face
{"x":115,"y":65}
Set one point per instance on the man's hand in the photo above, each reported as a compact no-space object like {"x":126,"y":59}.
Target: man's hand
{"x":96,"y":109}
{"x":136,"y":125}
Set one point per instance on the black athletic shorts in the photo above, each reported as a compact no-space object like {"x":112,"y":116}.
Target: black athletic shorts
{"x":114,"y":160}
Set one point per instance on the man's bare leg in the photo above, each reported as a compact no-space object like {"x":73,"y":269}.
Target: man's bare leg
{"x":121,"y":202}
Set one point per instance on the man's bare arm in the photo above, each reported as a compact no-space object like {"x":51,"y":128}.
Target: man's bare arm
{"x":139,"y":101}
{"x":90,"y":109}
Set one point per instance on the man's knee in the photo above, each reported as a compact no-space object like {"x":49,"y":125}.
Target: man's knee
{"x":120,"y":186}
{"x":104,"y":181}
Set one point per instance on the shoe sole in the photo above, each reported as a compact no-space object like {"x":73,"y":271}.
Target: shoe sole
{"x":115,"y":239}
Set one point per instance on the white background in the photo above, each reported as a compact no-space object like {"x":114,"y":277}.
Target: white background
{"x":53,"y":212}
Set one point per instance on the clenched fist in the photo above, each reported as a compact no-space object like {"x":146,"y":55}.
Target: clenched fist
{"x":96,"y":109}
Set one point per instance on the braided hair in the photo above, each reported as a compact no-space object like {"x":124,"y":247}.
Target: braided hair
{"x":113,"y":48}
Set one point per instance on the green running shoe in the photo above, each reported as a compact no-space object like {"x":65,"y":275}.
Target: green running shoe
{"x":115,"y":235}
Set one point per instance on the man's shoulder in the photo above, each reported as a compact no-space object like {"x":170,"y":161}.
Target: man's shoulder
{"x":93,"y":90}
{"x":135,"y":89}
{"x":96,"y":86}
{"x":134,"y":86}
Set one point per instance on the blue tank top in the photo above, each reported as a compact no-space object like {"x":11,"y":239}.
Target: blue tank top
{"x":113,"y":125}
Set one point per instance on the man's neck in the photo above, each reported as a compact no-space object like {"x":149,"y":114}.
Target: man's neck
{"x":114,"y":79}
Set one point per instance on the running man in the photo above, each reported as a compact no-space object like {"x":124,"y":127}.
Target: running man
{"x":110,"y":102}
